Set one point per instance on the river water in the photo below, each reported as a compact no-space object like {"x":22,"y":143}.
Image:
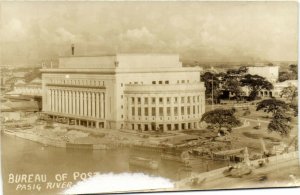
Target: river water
{"x":20,"y":156}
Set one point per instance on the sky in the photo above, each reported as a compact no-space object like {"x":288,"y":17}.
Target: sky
{"x":31,"y":32}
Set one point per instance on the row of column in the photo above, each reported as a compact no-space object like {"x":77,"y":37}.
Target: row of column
{"x":80,"y":103}
{"x":198,"y":106}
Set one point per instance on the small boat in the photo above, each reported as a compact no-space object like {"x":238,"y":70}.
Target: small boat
{"x":143,"y":162}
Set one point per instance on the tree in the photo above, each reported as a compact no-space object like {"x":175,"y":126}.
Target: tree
{"x":272,"y":105}
{"x":280,"y":120}
{"x":255,"y":83}
{"x":212,"y":85}
{"x":221,"y":118}
{"x":289,"y":92}
{"x":233,"y":85}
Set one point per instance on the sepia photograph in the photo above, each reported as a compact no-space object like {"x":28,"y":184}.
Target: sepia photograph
{"x":105,"y":97}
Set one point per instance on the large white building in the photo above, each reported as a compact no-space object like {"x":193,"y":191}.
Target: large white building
{"x":125,"y":91}
{"x":271,"y":73}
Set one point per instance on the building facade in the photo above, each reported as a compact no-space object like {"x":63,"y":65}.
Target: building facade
{"x":125,"y":91}
{"x":271,"y":73}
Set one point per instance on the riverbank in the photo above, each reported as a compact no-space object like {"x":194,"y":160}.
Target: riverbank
{"x":260,"y":176}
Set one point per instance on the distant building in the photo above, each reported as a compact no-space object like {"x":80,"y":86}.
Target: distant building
{"x":278,"y":87}
{"x":125,"y":91}
{"x":271,"y":73}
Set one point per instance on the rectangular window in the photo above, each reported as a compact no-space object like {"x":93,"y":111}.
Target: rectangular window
{"x":183,"y":81}
{"x":132,"y":100}
{"x":168,"y":100}
{"x":154,"y":82}
{"x":182,"y":99}
{"x":146,"y":100}
{"x":136,"y":83}
{"x":188,"y":99}
{"x":139,"y":111}
{"x":160,"y":100}
{"x":161,"y":111}
{"x":194,"y":110}
{"x":160,"y":82}
{"x":194,"y":99}
{"x":166,"y":82}
{"x":122,"y":116}
{"x":168,"y":111}
{"x":182,"y":110}
{"x":175,"y":100}
{"x":153,"y":100}
{"x":146,"y":112}
{"x":175,"y":111}
{"x":188,"y":110}
{"x":139,"y":100}
{"x":153,"y":110}
{"x":132,"y":111}
{"x":121,"y":84}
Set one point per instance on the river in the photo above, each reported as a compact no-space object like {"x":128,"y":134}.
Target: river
{"x":20,"y":156}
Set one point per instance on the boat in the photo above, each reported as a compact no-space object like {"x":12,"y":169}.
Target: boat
{"x":143,"y":162}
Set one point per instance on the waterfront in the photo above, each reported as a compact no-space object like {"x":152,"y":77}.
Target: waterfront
{"x":21,"y":156}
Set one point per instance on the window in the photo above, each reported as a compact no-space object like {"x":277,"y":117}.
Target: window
{"x":132,"y":111}
{"x":194,"y":110}
{"x":177,"y":81}
{"x":146,"y":100}
{"x":183,"y":81}
{"x":182,"y":99}
{"x":161,"y":111}
{"x":194,"y":99}
{"x":122,"y":116}
{"x":175,"y":100}
{"x":166,"y":82}
{"x":121,"y":106}
{"x":168,"y":100}
{"x":175,"y":111}
{"x":132,"y":100}
{"x":139,"y":111}
{"x":154,"y":82}
{"x":189,"y":99}
{"x":136,"y":83}
{"x":188,"y":110}
{"x":146,"y":112}
{"x":153,"y":110}
{"x":153,"y":100}
{"x":121,"y":96}
{"x":160,"y":82}
{"x":160,"y":100}
{"x":168,"y":111}
{"x":182,"y":110}
{"x":121,"y":84}
{"x":139,"y":100}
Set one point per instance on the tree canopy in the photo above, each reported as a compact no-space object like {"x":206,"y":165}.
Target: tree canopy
{"x":255,"y":83}
{"x":221,"y":118}
{"x":280,"y":120}
{"x":272,"y":105}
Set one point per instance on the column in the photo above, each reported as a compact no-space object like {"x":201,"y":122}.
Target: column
{"x":59,"y":100}
{"x":74,"y":103}
{"x":102,"y":98}
{"x":52,"y":100}
{"x":56,"y":100}
{"x":93,"y":104}
{"x":97,"y":105}
{"x":89,"y":102}
{"x":70,"y":99}
{"x":77,"y":93}
{"x":48,"y":100}
{"x":85,"y":103}
{"x":81,"y":103}
{"x":66,"y":101}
